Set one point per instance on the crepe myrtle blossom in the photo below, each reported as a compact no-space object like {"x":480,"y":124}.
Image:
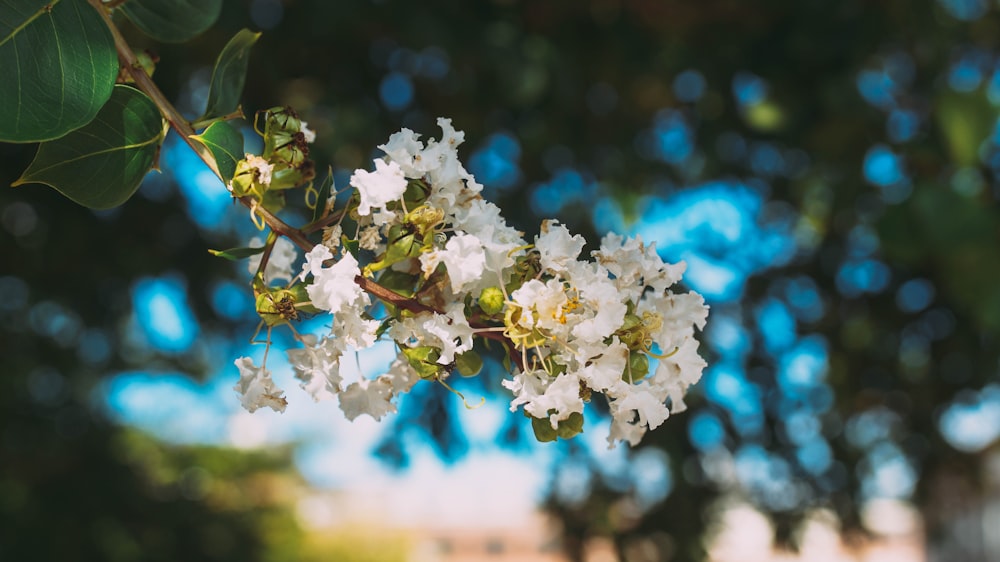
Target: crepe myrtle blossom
{"x":447,"y":270}
{"x":256,"y":388}
{"x":280,"y":262}
{"x":387,"y":183}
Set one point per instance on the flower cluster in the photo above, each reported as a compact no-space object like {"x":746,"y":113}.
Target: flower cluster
{"x":452,"y":274}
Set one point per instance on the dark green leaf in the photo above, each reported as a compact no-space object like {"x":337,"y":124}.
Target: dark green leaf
{"x":59,"y":65}
{"x":102,"y":164}
{"x":352,"y":246}
{"x":226,"y":145}
{"x":173,"y":21}
{"x":235,"y":254}
{"x":324,"y":193}
{"x":229,"y":75}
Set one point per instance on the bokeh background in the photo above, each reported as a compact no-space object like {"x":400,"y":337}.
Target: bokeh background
{"x":828,"y":171}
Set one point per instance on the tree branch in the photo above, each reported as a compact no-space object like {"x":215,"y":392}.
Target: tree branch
{"x":183,"y":128}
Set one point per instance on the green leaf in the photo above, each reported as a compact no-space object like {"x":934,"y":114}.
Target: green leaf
{"x":173,"y":21}
{"x":236,"y":254}
{"x":399,"y":282}
{"x":424,"y":360}
{"x":226,"y":145}
{"x":59,"y":66}
{"x":324,"y":193}
{"x":102,"y":164}
{"x":967,"y":119}
{"x":229,"y":75}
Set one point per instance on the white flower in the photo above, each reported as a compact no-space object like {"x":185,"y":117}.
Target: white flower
{"x":368,"y":397}
{"x":403,"y":147}
{"x":562,"y":397}
{"x":675,"y":373}
{"x":370,"y":238}
{"x":263,"y":167}
{"x":680,"y":315}
{"x":463,"y":257}
{"x":625,"y":431}
{"x":636,"y":265}
{"x":331,"y":237}
{"x":386,"y":183}
{"x":451,"y":332}
{"x":402,"y":375}
{"x":526,"y":386}
{"x":308,"y":134}
{"x":256,"y":389}
{"x":557,"y":247}
{"x":333,"y":288}
{"x":543,"y":305}
{"x":317,"y":366}
{"x":651,"y":410}
{"x":603,"y":309}
{"x":279,"y":263}
{"x":604,"y":374}
{"x":352,"y":329}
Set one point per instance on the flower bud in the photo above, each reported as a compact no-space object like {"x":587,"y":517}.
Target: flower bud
{"x":491,"y":300}
{"x":277,"y":307}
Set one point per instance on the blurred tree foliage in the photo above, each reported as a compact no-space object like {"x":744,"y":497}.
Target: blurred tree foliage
{"x":878,"y":103}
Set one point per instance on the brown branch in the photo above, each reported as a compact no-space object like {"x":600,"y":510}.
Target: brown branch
{"x":183,"y":128}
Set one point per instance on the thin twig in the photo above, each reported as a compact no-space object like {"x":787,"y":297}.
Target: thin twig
{"x":238,"y":114}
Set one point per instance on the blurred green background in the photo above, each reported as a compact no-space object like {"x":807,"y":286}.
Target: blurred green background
{"x":829,"y":171}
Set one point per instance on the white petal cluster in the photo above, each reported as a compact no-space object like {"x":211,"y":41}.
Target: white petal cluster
{"x":578,"y":320}
{"x":262,"y":167}
{"x":256,"y":389}
{"x":609,"y":323}
{"x":333,"y":288}
{"x":377,"y":188}
{"x":280,"y":262}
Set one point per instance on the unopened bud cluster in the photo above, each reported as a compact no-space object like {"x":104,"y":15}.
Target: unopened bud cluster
{"x":284,"y":163}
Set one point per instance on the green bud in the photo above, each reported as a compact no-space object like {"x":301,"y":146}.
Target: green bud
{"x":567,"y":429}
{"x":543,"y":430}
{"x":469,"y":363}
{"x":399,"y":249}
{"x":570,"y":426}
{"x":425,"y":218}
{"x":277,"y":307}
{"x":638,"y":367}
{"x":285,"y":176}
{"x":245,"y":180}
{"x":491,"y":300}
